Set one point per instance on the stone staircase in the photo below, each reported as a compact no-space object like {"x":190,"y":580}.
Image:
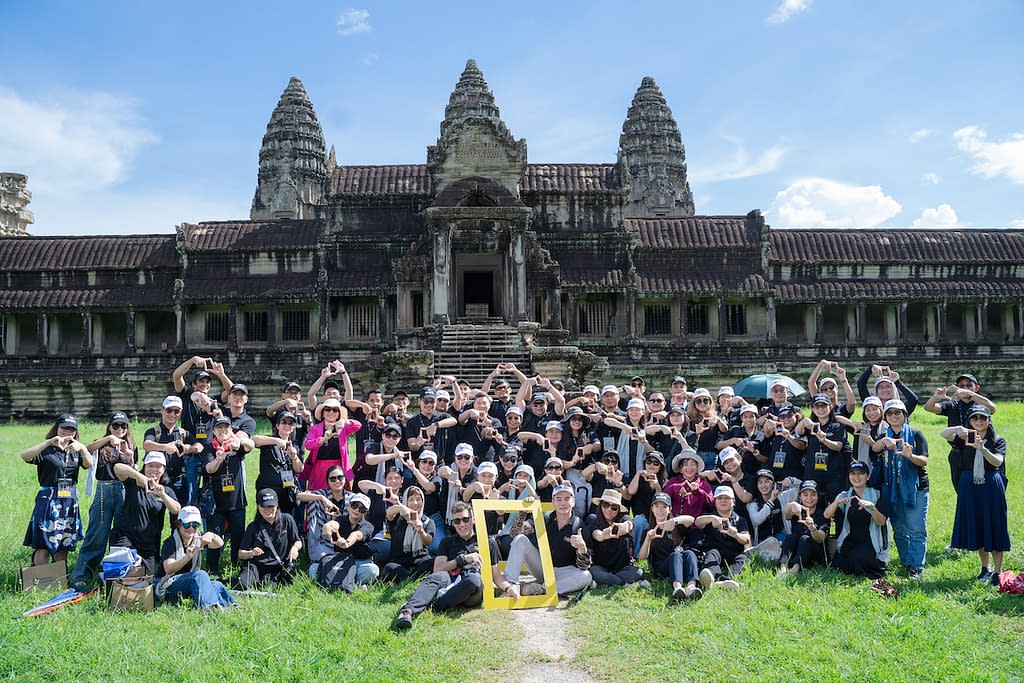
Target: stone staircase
{"x":470,"y":352}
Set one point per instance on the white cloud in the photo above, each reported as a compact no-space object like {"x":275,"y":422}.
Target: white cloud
{"x":370,"y":59}
{"x":1005,"y":157}
{"x":741,"y":165}
{"x":72,"y":142}
{"x":931,"y":178}
{"x":1019,"y":223}
{"x":820,"y":202}
{"x":919,"y":135}
{"x":942,"y":216}
{"x":354,"y":21}
{"x":787,"y":10}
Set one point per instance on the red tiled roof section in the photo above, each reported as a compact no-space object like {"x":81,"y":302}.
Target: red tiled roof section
{"x":375,"y":180}
{"x":252,"y":235}
{"x":879,"y":290}
{"x":570,"y":178}
{"x":151,"y":296}
{"x":123,"y":252}
{"x":676,"y":283}
{"x":696,"y":232}
{"x":593,"y":278}
{"x":930,"y":245}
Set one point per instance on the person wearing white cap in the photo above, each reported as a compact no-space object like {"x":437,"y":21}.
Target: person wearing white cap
{"x":631,"y":445}
{"x":180,"y":574}
{"x":57,"y":459}
{"x":816,"y":384}
{"x":180,"y":446}
{"x":902,"y":480}
{"x":746,"y":439}
{"x":146,"y":498}
{"x":708,"y":426}
{"x":726,"y":536}
{"x":887,"y":385}
{"x":828,"y":451}
{"x":867,"y":432}
{"x":729,"y":405}
{"x":412,"y":532}
{"x":348,"y":536}
{"x":484,"y":488}
{"x":588,"y":399}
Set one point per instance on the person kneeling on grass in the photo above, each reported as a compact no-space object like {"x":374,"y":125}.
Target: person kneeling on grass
{"x":179,"y":574}
{"x":663,"y":549}
{"x":456,"y":581}
{"x":805,"y":546}
{"x":270,"y":545}
{"x":862,"y":548}
{"x":411,"y":535}
{"x":570,"y":555}
{"x":724,"y":541}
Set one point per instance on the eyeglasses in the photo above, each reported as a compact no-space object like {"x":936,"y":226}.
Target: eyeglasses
{"x":461,"y":520}
{"x":610,"y":506}
{"x":464,"y":456}
{"x":337,"y":477}
{"x":173,"y":411}
{"x":778,"y":390}
{"x":190,"y":525}
{"x":358,"y":507}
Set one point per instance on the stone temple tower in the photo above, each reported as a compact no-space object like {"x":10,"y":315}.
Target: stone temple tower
{"x":292,"y":176}
{"x":652,"y":158}
{"x":14,"y":197}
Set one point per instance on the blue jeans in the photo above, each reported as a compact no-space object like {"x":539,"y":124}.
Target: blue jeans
{"x":910,"y":532}
{"x":640,"y":528}
{"x":366,"y":571}
{"x":439,"y":532}
{"x":680,"y":566}
{"x":381,"y":549}
{"x":105,"y":507}
{"x":193,"y":463}
{"x":204,"y":591}
{"x":235,"y":519}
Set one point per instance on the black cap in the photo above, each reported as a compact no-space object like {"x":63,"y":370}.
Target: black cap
{"x":283,"y":414}
{"x":266,"y":498}
{"x":539,"y":398}
{"x":239,"y":387}
{"x":978,"y":410}
{"x":858,"y":466}
{"x":678,"y":379}
{"x":200,"y":374}
{"x":637,"y":378}
{"x":391,"y":427}
{"x":118,"y":418}
{"x":332,"y":384}
{"x":400,"y":392}
{"x":67,"y":421}
{"x":974,"y":380}
{"x":788,"y":408}
{"x":821,"y":398}
{"x":290,"y":385}
{"x":222,"y":420}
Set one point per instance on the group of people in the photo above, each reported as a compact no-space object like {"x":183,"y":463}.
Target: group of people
{"x":693,"y":484}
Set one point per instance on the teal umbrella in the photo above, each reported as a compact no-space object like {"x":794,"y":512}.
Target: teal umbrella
{"x":759,"y":386}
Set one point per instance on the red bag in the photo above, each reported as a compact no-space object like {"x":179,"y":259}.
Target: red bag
{"x":1011,"y":583}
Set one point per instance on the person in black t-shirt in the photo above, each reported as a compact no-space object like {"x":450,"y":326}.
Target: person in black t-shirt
{"x":349,"y":536}
{"x":663,"y":549}
{"x":609,"y":535}
{"x":411,"y":535}
{"x":178,"y":445}
{"x":116,"y":446}
{"x":270,"y":545}
{"x":456,"y":580}
{"x":280,"y":461}
{"x":56,"y":525}
{"x":862,"y":542}
{"x":805,"y":547}
{"x":141,"y":522}
{"x":723,"y":542}
{"x":179,"y":573}
{"x":222,"y":462}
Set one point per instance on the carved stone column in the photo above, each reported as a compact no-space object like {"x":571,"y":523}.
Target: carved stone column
{"x":769,"y":310}
{"x":573,"y":315}
{"x":940,"y":333}
{"x":325,"y":318}
{"x":382,"y":318}
{"x":983,"y":321}
{"x":1019,"y":336}
{"x":42,"y":334}
{"x":130,"y":336}
{"x":517,"y":257}
{"x":555,"y":307}
{"x":901,"y":326}
{"x":723,"y":319}
{"x":819,"y":324}
{"x":684,"y":323}
{"x":441,"y":284}
{"x":630,"y":313}
{"x":862,"y":322}
{"x":232,"y":326}
{"x":86,"y":332}
{"x":271,"y":325}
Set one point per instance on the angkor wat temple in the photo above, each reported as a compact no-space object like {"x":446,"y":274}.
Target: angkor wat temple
{"x":407,"y":271}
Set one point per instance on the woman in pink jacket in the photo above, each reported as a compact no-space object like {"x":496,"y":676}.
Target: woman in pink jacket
{"x":327,"y":443}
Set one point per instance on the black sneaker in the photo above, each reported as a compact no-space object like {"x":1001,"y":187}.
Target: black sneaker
{"x":985,"y":575}
{"x":916,"y":574}
{"x":403,"y":622}
{"x":679,"y":594}
{"x":994,"y":579}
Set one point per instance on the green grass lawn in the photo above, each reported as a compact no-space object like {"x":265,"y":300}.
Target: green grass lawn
{"x":822,"y":626}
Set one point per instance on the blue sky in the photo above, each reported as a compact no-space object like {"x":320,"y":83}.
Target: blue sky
{"x":131,"y":117}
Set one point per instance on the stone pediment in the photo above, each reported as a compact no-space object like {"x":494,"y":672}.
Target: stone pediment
{"x":478,"y":148}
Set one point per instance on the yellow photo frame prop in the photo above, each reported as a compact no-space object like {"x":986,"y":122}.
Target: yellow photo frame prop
{"x":550,"y":597}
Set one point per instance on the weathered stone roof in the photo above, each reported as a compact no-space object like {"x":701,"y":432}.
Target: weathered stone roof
{"x":898,"y":290}
{"x":350,"y":281}
{"x":251,"y":235}
{"x":571,"y":178}
{"x":155,"y":295}
{"x":904,"y":245}
{"x":120,"y":252}
{"x":414,"y":179}
{"x":695,"y":232}
{"x":263,"y":287}
{"x":675,"y":282}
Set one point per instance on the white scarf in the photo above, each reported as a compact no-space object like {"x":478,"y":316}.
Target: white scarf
{"x":179,"y":552}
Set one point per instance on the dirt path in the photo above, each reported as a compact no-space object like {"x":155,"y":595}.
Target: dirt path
{"x":547,"y":648}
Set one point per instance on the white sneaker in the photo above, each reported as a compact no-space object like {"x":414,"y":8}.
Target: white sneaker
{"x":706,"y":578}
{"x":728,"y":584}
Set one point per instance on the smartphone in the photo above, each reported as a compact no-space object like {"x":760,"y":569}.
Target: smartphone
{"x":579,"y":452}
{"x":706,"y":422}
{"x":423,"y":433}
{"x":763,"y":410}
{"x":803,"y":513}
{"x":778,"y":487}
{"x":971,"y":438}
{"x":778,"y":430}
{"x":635,"y":434}
{"x":547,"y":444}
{"x":899,"y":445}
{"x":725,"y":525}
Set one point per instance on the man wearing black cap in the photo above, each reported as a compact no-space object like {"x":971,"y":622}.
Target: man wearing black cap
{"x":330,"y":386}
{"x":480,"y":430}
{"x":195,"y":417}
{"x":502,"y":399}
{"x":225,"y":480}
{"x":783,"y":447}
{"x":291,"y":403}
{"x":678,"y":395}
{"x":637,"y":388}
{"x":428,"y":427}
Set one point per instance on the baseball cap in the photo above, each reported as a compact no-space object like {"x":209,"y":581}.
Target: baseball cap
{"x":463,"y":448}
{"x":487,"y":466}
{"x":118,"y":418}
{"x":539,"y":398}
{"x":725,"y":491}
{"x":821,"y":398}
{"x":727,"y":453}
{"x":514,"y":410}
{"x":778,"y":383}
{"x":443,"y":395}
{"x":427,"y":455}
{"x":155,"y":456}
{"x":172,"y":402}
{"x":702,"y":392}
{"x":200,"y":374}
{"x":266,"y":498}
{"x":826,"y":380}
{"x":873,"y":401}
{"x":359,"y":498}
{"x":189,"y":514}
{"x":662,"y":498}
{"x":884,"y":379}
{"x":222,"y":420}
{"x":289,"y":386}
{"x":765,"y":473}
{"x":858,"y":465}
{"x":283,"y":414}
{"x":240,"y":388}
{"x":609,"y":389}
{"x":391,"y":427}
{"x":591,"y":389}
{"x":809,"y":485}
{"x":785,"y":409}
{"x":678,"y":379}
{"x":966,"y":375}
{"x":894,"y":404}
{"x":635,"y":403}
{"x":726,"y":391}
{"x":553,"y":424}
{"x":564,"y":487}
{"x":428,"y":393}
{"x":748,"y":408}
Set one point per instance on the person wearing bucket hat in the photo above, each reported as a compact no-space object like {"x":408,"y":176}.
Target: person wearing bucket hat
{"x":663,"y":548}
{"x":117,"y":445}
{"x":782,"y":446}
{"x":179,"y":573}
{"x":816,"y":384}
{"x":147,"y":501}
{"x":708,"y":426}
{"x":861,"y":514}
{"x":610,"y":533}
{"x":412,"y":532}
{"x":902,"y":481}
{"x":691,"y":494}
{"x":327,"y":443}
{"x":887,"y":385}
{"x":810,"y":522}
{"x":725,"y":538}
{"x":55,"y":526}
{"x":981,"y":521}
{"x":828,"y":451}
{"x":270,"y":545}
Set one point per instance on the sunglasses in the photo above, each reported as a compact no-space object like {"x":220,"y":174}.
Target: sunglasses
{"x":332,"y":410}
{"x":461,"y":520}
{"x":427,"y":400}
{"x":651,"y":462}
{"x":703,"y":401}
{"x":979,"y":417}
{"x":610,"y":506}
{"x":552,"y":467}
{"x":119,"y":426}
{"x":778,"y":390}
{"x":655,"y":400}
{"x":173,"y":411}
{"x":610,"y":461}
{"x":337,"y":477}
{"x":358,"y":507}
{"x":463,"y":457}
{"x":190,"y":525}
{"x":636,"y":384}
{"x":509,"y":458}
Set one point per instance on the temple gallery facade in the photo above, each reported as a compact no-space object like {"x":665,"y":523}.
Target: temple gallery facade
{"x":407,"y":271}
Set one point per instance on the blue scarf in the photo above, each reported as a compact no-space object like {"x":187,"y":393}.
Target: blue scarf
{"x":899,"y":475}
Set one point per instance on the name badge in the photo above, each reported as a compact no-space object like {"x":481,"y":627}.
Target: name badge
{"x":780,"y":459}
{"x":608,"y":443}
{"x":820,"y":461}
{"x":287,"y":479}
{"x":63,"y":488}
{"x":227,"y":483}
{"x":201,"y":435}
